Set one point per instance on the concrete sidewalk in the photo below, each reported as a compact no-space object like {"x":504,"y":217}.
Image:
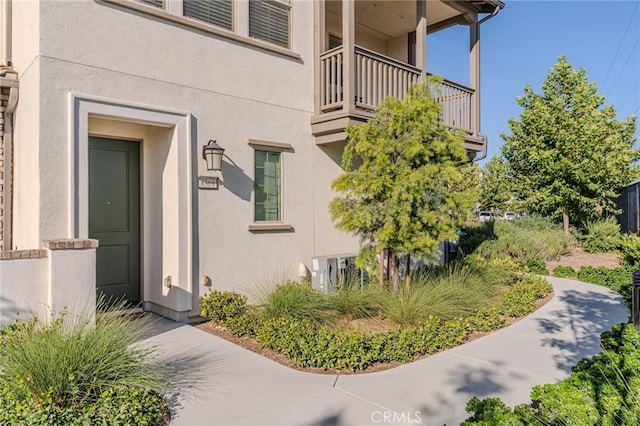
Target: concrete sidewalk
{"x":223,"y":384}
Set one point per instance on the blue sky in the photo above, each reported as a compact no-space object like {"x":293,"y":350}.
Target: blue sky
{"x":524,"y":40}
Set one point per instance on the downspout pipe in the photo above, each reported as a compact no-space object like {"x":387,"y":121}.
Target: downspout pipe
{"x":484,"y":153}
{"x":6,"y":33}
{"x":8,"y":79}
{"x":491,"y":15}
{"x":7,"y":235}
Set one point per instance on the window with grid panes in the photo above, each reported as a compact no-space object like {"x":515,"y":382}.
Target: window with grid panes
{"x":269,"y":21}
{"x":267,"y":186}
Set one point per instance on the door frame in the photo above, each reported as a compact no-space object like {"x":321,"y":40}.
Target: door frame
{"x":177,"y":257}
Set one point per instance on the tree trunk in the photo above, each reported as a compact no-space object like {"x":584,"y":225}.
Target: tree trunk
{"x":396,"y":273}
{"x":407,"y":272}
{"x":381,"y":274}
{"x":565,"y":220}
{"x":389,"y":258}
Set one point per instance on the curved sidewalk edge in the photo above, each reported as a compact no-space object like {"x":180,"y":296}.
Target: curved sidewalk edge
{"x":223,"y":384}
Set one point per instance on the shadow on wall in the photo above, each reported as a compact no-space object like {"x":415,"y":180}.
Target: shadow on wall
{"x":333,"y":151}
{"x":236,"y":180}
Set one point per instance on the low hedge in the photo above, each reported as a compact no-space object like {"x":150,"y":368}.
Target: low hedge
{"x":219,"y":305}
{"x":134,"y":406}
{"x":310,"y":344}
{"x":347,"y":349}
{"x":561,"y":271}
{"x":617,"y":279}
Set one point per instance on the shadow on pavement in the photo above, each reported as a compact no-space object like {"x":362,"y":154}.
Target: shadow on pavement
{"x":587,"y":314}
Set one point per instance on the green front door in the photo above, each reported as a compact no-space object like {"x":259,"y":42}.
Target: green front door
{"x":114,"y":216}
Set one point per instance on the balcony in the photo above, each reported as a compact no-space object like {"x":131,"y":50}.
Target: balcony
{"x":380,"y":51}
{"x":377,"y":77}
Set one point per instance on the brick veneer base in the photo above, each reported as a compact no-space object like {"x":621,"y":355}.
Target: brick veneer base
{"x":70,"y":244}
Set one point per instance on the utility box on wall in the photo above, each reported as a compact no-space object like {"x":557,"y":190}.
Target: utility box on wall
{"x":328,"y":273}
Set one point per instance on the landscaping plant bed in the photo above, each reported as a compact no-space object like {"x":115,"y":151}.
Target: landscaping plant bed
{"x":372,"y":327}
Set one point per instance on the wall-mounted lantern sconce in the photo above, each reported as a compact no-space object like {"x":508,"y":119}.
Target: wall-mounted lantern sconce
{"x":212,"y":153}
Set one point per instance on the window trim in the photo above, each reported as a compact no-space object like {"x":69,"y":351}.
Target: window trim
{"x":272,"y":225}
{"x":148,"y":9}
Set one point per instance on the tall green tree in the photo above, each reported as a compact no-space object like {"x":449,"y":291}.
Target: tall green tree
{"x":568,"y":153}
{"x":495,"y":188}
{"x":407,"y":192}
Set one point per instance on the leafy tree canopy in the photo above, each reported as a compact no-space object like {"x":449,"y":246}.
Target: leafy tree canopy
{"x":408,"y":192}
{"x":496,"y":187}
{"x":568,"y":154}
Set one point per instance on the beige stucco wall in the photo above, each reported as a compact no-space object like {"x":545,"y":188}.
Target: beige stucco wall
{"x":231,"y":92}
{"x":25,"y":38}
{"x":392,"y":47}
{"x":326,"y":238}
{"x":45,"y":282}
{"x":23,"y":288}
{"x":26,"y":161}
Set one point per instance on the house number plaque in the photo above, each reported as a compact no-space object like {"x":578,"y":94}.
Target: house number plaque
{"x":207,"y":182}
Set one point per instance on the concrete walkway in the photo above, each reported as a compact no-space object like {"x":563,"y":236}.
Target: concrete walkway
{"x":222,"y":384}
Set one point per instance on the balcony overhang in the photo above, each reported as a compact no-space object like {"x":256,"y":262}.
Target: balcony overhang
{"x":331,"y":128}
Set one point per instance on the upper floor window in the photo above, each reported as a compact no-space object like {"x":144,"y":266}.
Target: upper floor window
{"x":334,"y":41}
{"x":157,"y":3}
{"x":217,"y":12}
{"x":265,"y":24}
{"x":269,"y":21}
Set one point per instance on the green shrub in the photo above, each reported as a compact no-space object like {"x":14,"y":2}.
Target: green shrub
{"x":602,"y":236}
{"x":522,"y":297}
{"x":246,"y":324}
{"x":77,"y":367}
{"x":537,"y":266}
{"x":617,"y":279}
{"x":310,"y":345}
{"x":555,"y":243}
{"x":486,"y":319}
{"x":452,"y":291}
{"x":535,"y":223}
{"x":501,"y":271}
{"x":532,"y":238}
{"x":561,"y":271}
{"x":593,"y":274}
{"x":113,"y":407}
{"x":356,"y":302}
{"x":455,"y":290}
{"x":519,"y":247}
{"x":296,"y":300}
{"x":630,"y":249}
{"x":222,"y":305}
{"x":473,"y":236}
{"x":407,"y":307}
{"x":490,"y":412}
